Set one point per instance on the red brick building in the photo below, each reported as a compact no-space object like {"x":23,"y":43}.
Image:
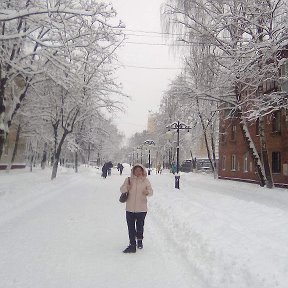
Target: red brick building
{"x":235,"y":161}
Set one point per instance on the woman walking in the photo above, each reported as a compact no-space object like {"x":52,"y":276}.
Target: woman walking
{"x":136,"y":205}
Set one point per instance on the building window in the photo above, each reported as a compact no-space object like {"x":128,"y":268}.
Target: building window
{"x":251,"y":167}
{"x":284,"y":69}
{"x":233,"y":132}
{"x":269,"y":85}
{"x":233,"y":162}
{"x":245,"y":162}
{"x":276,"y":162}
{"x":257,"y":127}
{"x":223,"y":164}
{"x":284,"y":76}
{"x":276,"y":122}
{"x":223,"y":135}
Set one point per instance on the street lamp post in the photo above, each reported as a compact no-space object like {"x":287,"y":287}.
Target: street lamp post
{"x":177,"y":126}
{"x":140,"y":148}
{"x":133,"y":160}
{"x":149,"y":143}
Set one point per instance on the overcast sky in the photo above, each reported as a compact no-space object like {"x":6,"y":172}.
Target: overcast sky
{"x":145,"y":86}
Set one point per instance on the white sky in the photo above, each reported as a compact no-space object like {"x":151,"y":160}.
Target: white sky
{"x":145,"y":86}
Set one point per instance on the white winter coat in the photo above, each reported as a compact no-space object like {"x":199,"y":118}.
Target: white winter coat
{"x":140,"y":188}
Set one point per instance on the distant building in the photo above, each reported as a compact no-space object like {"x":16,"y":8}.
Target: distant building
{"x":151,"y":125}
{"x":19,"y":161}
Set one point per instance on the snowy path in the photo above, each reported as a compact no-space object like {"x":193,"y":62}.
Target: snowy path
{"x":74,"y":238}
{"x":70,"y":233}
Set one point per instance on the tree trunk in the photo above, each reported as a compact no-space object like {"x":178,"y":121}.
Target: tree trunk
{"x":263,"y":144}
{"x":57,"y":154}
{"x":16,"y":143}
{"x":44,"y":157}
{"x":205,"y":135}
{"x":76,"y":162}
{"x":207,"y":147}
{"x":15,"y":148}
{"x":54,"y":168}
{"x":31,"y":161}
{"x":264,"y":154}
{"x":89,"y":151}
{"x":3,"y":136}
{"x":253,"y":152}
{"x":192,"y":159}
{"x":213,"y":151}
{"x":3,"y":131}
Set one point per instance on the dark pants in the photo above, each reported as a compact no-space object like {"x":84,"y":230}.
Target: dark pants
{"x":135,"y":223}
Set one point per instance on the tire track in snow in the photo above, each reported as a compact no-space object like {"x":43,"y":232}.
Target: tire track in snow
{"x":201,"y":240}
{"x":171,"y":251}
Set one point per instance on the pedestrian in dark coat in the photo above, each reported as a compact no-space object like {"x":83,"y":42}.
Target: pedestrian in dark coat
{"x":109,"y":167}
{"x":121,"y":167}
{"x":104,"y":170}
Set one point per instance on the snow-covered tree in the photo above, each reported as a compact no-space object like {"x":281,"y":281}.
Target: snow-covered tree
{"x":181,"y":102}
{"x":67,"y":115}
{"x":243,"y":39}
{"x":38,"y":35}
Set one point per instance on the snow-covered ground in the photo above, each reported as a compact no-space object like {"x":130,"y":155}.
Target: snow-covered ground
{"x":70,"y":233}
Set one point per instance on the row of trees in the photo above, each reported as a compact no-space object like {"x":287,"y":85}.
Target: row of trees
{"x":231,"y":49}
{"x":57,"y":61}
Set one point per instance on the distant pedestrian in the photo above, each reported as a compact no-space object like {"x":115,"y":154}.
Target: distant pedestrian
{"x":121,"y":167}
{"x":173,"y":168}
{"x":109,"y":167}
{"x":104,"y":170}
{"x":158,"y":168}
{"x":136,"y":205}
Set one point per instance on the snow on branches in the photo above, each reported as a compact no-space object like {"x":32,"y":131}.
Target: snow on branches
{"x":71,"y":43}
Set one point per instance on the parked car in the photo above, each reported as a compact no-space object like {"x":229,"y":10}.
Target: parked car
{"x":203,"y":164}
{"x":69,"y":164}
{"x":94,"y":163}
{"x":186,"y":166}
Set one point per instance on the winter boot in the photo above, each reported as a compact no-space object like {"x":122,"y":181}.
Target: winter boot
{"x":130,"y":249}
{"x":139,"y":244}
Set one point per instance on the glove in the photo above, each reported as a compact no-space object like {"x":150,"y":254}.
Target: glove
{"x":146,"y":192}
